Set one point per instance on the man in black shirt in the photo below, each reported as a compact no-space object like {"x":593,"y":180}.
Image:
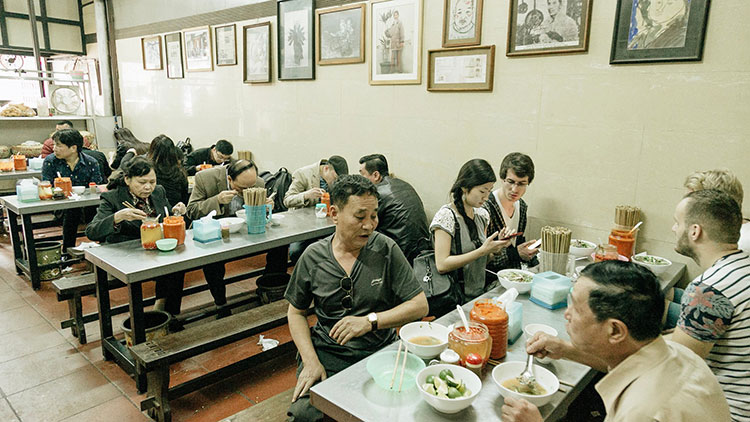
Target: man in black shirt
{"x":215,"y":155}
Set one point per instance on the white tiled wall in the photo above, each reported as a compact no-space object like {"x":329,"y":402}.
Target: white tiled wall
{"x":600,"y":135}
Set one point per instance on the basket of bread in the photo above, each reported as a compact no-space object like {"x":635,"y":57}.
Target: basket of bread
{"x":17,"y":110}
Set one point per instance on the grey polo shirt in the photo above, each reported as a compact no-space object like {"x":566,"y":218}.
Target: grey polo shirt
{"x":381,"y":276}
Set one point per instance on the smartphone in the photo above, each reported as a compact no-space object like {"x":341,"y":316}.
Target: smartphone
{"x":512,"y":236}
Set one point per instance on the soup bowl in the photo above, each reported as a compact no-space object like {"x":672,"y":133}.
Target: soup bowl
{"x":416,"y":334}
{"x":544,"y":377}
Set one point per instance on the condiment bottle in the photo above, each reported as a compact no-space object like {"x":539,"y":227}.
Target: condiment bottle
{"x":476,"y":340}
{"x":45,"y":190}
{"x":496,"y":320}
{"x":92,"y":188}
{"x":624,"y":241}
{"x":450,"y":357}
{"x":326,"y":199}
{"x":474,"y":364}
{"x":150,"y":233}
{"x":174,"y":228}
{"x":65,"y":184}
{"x":19,"y":162}
{"x":605,"y":253}
{"x":225,"y":232}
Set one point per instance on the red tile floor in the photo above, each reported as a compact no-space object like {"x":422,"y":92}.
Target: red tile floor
{"x":45,"y":375}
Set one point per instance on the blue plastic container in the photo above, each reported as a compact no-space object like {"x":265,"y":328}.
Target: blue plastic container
{"x":550,"y":290}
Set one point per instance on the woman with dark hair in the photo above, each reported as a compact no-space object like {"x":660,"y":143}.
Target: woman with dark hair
{"x":466,"y":255}
{"x":508,"y":210}
{"x":170,"y":174}
{"x":126,"y":142}
{"x":114,"y":222}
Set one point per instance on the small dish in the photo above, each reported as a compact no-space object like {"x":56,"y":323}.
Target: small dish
{"x":277,"y":219}
{"x":234,"y":223}
{"x":79,"y":190}
{"x":656,"y":264}
{"x":424,"y":329}
{"x":380,"y":366}
{"x":508,"y":278}
{"x":446,"y":405}
{"x":580,"y":248}
{"x":166,"y":245}
{"x":544,"y":377}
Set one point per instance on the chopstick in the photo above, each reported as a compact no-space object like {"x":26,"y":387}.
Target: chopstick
{"x":403,"y":369}
{"x":395,"y":366}
{"x":129,"y":205}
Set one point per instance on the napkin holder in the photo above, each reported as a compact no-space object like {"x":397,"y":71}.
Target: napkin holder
{"x":550,"y":290}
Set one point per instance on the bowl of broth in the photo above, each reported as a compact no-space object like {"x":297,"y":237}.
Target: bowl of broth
{"x":425,"y":339}
{"x":505,"y":375}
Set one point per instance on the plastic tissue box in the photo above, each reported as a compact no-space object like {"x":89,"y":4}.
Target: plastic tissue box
{"x":206,"y":230}
{"x":550,"y":290}
{"x":515,"y":321}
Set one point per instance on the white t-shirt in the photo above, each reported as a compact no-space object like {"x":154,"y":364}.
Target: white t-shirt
{"x":510,"y":222}
{"x":744,"y":242}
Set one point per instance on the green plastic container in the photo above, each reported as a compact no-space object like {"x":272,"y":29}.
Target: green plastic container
{"x":49,"y":253}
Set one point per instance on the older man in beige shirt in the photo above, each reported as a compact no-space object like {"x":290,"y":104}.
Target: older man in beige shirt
{"x":614,"y":322}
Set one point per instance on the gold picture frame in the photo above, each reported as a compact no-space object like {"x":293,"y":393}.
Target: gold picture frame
{"x":545,"y":30}
{"x":401,"y":65}
{"x":226,"y":49}
{"x":198,"y":49}
{"x":462,"y":23}
{"x":469,"y":69}
{"x":151,"y":53}
{"x":256,"y":57}
{"x":336,"y":33}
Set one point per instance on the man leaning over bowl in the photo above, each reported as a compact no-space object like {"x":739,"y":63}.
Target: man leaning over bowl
{"x":614,"y":322}
{"x":361,"y":286}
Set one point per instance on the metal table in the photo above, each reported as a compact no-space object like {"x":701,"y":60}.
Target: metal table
{"x":133,"y":265}
{"x":15,"y":175}
{"x":352,"y":395}
{"x":24,"y":249}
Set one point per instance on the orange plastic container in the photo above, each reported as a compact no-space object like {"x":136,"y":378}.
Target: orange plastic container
{"x":326,"y":199}
{"x":65,"y":184}
{"x":45,"y":190}
{"x":19,"y":162}
{"x":496,"y":320}
{"x":174,"y":228}
{"x":624,"y":241}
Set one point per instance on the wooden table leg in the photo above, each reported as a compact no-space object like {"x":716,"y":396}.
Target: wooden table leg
{"x":138,"y":328}
{"x":29,"y":245}
{"x":105,"y":315}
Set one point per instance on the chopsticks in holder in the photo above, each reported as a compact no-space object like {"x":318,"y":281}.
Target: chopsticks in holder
{"x":254,"y":196}
{"x":556,"y":239}
{"x":627,"y":215}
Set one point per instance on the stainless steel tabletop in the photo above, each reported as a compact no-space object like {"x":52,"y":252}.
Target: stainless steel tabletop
{"x":14,"y":175}
{"x":22,"y":208}
{"x":129,"y":262}
{"x":355,"y":393}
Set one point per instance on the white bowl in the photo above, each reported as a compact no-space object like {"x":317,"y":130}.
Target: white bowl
{"x":79,"y":190}
{"x":240,"y":214}
{"x":416,"y":329}
{"x":547,"y":379}
{"x":581,"y":252}
{"x":655,"y":268}
{"x":520,"y":286}
{"x":472,"y":381}
{"x":276,"y":219}
{"x":531,"y":329}
{"x":234,"y":223}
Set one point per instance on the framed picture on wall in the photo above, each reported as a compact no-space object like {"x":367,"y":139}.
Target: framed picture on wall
{"x":173,"y":47}
{"x":257,"y":53}
{"x":296,"y":49}
{"x":462,"y":23}
{"x":548,"y":27}
{"x":396,"y":42}
{"x":461,"y":69}
{"x":226,"y":45}
{"x":340,"y":35}
{"x":198,"y":51}
{"x":151,"y":50}
{"x":653,"y":32}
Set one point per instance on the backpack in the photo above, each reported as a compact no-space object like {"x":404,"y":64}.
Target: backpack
{"x":185,"y":147}
{"x":277,"y":183}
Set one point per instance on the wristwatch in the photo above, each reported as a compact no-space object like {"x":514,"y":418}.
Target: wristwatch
{"x":373,"y":318}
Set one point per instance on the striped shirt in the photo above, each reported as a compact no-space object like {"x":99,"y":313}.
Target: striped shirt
{"x":716,"y":309}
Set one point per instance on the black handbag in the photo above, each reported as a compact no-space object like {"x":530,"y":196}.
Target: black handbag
{"x":443,"y":291}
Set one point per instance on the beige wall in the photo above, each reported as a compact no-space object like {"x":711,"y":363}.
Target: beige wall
{"x":600,"y":135}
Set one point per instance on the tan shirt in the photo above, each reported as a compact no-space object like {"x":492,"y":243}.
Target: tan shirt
{"x":303,"y":179}
{"x":665,"y":382}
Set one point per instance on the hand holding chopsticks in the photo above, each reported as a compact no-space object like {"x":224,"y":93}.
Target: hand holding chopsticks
{"x":129,"y":213}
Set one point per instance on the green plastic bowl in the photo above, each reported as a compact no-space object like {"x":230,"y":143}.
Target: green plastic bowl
{"x":380,"y":366}
{"x":166,"y":245}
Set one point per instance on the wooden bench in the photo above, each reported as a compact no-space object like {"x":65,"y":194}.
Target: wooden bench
{"x":154,"y":357}
{"x":269,"y":410}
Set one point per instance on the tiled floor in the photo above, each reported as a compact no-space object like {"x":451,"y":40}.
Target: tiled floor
{"x":45,"y":375}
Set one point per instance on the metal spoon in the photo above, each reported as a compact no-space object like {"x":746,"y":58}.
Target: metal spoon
{"x":527,"y":376}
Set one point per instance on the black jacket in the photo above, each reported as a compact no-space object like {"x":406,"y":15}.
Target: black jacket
{"x":101,"y":159}
{"x":401,"y":217}
{"x":199,"y":156}
{"x":102,"y":227}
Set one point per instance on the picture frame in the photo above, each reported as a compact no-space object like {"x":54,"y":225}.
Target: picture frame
{"x":641,"y":37}
{"x":295,"y":32}
{"x":462,"y":23}
{"x":400,"y":20}
{"x":256,"y":53}
{"x":340,"y":34}
{"x":469,"y":69}
{"x":151,"y":52}
{"x":225,"y":37}
{"x":173,"y":56}
{"x":550,"y":27}
{"x":198,"y":49}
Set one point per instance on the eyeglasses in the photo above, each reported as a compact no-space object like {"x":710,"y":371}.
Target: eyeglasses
{"x":346,"y":285}
{"x":511,"y":183}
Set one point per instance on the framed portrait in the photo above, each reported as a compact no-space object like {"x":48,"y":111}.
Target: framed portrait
{"x":173,"y":48}
{"x":296,"y":49}
{"x":461,"y":69}
{"x":340,"y":35}
{"x":548,"y":27}
{"x":462,"y":23}
{"x":198,"y":51}
{"x":257,"y":53}
{"x":151,"y":50}
{"x":226,"y":45}
{"x":652,"y":32}
{"x":396,"y":42}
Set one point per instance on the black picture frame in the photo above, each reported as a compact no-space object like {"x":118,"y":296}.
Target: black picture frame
{"x":682,"y":40}
{"x":294,"y":63}
{"x":253,"y":63}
